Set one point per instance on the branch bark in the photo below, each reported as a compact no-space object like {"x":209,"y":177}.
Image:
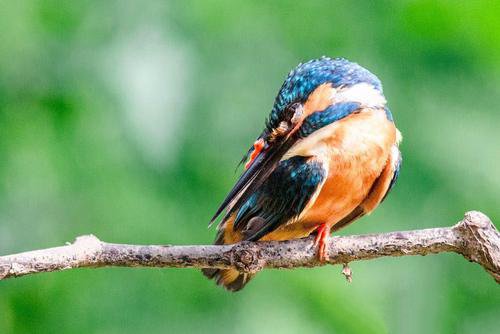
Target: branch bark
{"x":475,"y":237}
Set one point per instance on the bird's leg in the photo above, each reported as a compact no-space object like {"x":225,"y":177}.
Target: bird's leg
{"x":323,"y":233}
{"x":257,"y":148}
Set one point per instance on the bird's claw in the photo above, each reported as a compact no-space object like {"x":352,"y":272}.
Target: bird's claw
{"x":321,"y":241}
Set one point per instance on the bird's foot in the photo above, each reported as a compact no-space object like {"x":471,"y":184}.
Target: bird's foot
{"x":257,"y":148}
{"x":321,"y":241}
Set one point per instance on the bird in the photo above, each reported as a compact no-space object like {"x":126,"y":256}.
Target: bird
{"x":328,"y":155}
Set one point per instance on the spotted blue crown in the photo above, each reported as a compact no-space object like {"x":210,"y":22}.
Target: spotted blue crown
{"x":302,"y":81}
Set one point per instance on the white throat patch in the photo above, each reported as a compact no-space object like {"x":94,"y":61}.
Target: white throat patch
{"x":363,"y":93}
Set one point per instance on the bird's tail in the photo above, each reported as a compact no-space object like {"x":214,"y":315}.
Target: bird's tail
{"x":231,"y":279}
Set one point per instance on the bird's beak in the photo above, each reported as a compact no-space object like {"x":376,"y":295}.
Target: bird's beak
{"x":259,"y":166}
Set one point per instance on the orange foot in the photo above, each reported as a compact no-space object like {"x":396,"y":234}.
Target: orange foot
{"x":323,"y":233}
{"x":257,"y":148}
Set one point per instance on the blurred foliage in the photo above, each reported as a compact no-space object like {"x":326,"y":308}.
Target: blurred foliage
{"x":125,"y":119}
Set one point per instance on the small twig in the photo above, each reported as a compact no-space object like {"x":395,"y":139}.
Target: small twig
{"x":475,"y":237}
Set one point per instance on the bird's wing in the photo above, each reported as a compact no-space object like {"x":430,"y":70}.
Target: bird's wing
{"x":265,"y":162}
{"x":397,"y":160}
{"x":281,"y":197}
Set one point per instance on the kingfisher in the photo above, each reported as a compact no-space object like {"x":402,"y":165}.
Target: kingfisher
{"x":328,"y":155}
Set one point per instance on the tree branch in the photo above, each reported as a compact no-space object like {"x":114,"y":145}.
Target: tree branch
{"x":475,"y":237}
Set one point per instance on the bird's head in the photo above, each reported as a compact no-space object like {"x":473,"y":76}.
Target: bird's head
{"x":315,"y":94}
{"x":320,"y":85}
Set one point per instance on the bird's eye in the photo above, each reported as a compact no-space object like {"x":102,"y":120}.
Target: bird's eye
{"x":290,"y":111}
{"x":294,"y":106}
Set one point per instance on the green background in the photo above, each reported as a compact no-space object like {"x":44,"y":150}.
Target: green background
{"x":126,"y":119}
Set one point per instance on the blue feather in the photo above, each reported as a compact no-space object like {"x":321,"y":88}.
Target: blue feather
{"x":306,"y":77}
{"x":282,"y":196}
{"x":323,"y":118}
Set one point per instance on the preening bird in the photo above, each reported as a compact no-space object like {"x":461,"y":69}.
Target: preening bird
{"x":327,"y":156}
